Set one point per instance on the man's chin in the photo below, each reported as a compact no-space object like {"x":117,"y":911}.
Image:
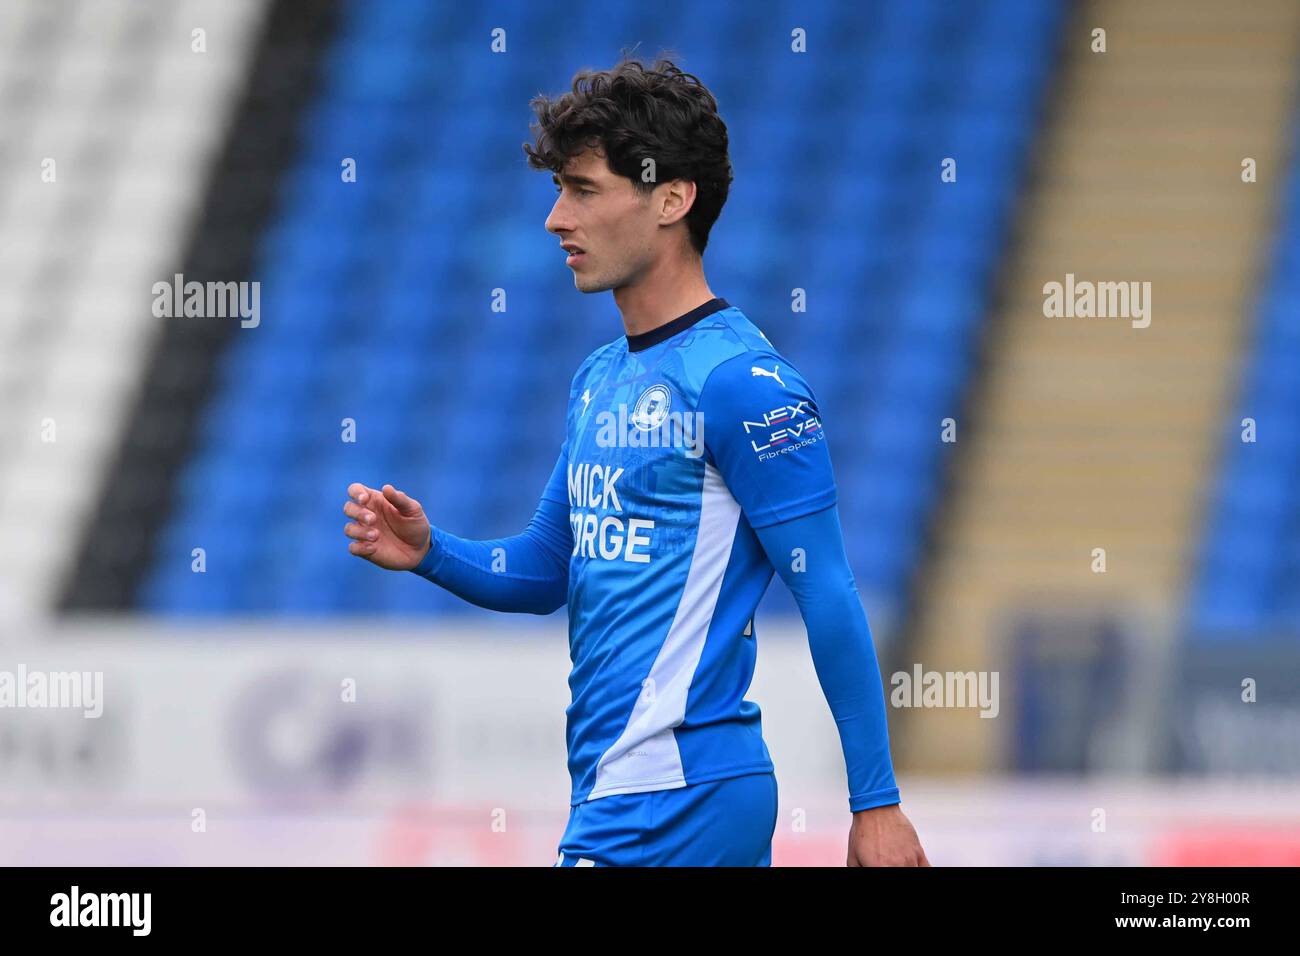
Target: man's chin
{"x":587,"y":284}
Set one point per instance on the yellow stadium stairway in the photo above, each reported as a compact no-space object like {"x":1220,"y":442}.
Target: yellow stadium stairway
{"x":1089,"y":433}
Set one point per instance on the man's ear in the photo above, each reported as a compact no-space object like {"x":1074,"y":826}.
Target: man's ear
{"x":678,"y":198}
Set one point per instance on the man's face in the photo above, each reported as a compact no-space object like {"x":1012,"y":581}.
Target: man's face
{"x":601,"y":214}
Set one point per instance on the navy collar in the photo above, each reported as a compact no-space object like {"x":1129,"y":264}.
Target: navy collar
{"x":638,"y":343}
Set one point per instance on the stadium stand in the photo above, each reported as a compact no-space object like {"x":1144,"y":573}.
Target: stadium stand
{"x":1248,"y":572}
{"x":378,"y":293}
{"x":1092,"y":439}
{"x":111,"y":119}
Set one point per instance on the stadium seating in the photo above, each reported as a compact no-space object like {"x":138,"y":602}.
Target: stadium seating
{"x":378,"y":294}
{"x":1248,"y":574}
{"x":111,"y":118}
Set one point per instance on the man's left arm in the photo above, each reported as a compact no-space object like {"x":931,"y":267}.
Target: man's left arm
{"x":808,"y":554}
{"x":763,"y":432}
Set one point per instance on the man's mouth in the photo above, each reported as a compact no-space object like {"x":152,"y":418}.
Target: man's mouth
{"x":576,"y":255}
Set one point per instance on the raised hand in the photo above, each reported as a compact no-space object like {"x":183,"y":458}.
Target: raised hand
{"x":388,"y":527}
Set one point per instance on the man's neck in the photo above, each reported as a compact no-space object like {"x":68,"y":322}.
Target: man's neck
{"x":669,"y":289}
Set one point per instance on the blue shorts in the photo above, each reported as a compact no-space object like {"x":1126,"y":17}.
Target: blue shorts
{"x":719,"y":823}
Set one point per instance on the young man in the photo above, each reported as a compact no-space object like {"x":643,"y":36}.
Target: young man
{"x":694,"y":465}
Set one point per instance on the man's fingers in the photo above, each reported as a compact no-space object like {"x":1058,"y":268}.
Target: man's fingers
{"x":362,"y":549}
{"x":360,"y":532}
{"x":354,"y":510}
{"x":401,"y":501}
{"x":360,"y":493}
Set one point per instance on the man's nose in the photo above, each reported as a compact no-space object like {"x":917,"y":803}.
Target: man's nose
{"x":558,"y":221}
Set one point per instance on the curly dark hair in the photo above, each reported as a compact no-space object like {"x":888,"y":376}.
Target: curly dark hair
{"x":632,"y":112}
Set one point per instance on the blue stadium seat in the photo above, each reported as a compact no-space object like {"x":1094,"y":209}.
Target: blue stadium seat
{"x":1248,"y":570}
{"x":377,"y":294}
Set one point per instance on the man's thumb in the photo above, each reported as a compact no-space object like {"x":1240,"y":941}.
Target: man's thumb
{"x":401,"y":501}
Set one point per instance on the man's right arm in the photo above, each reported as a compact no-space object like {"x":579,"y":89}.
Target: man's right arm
{"x":527,"y":572}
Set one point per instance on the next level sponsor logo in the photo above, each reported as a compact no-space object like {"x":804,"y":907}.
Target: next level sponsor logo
{"x":783,"y":429}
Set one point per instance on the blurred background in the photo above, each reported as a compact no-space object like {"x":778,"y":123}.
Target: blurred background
{"x":1094,"y":514}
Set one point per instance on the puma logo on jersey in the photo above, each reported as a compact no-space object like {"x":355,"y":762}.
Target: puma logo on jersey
{"x":755,"y":371}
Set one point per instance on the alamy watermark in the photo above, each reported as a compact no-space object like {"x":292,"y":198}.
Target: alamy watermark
{"x":946,"y":689}
{"x":1102,"y":300}
{"x":126,"y":910}
{"x":208,"y":300}
{"x":54,"y":690}
{"x":651,"y":423}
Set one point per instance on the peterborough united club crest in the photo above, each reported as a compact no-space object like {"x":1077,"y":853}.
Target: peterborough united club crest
{"x":651,"y":408}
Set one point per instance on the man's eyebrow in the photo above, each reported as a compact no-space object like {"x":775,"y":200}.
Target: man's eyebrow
{"x":572,"y":180}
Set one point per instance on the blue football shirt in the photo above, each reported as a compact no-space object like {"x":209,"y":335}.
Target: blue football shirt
{"x":679,"y":444}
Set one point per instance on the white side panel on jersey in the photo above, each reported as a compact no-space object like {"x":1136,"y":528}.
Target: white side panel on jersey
{"x":645,"y":756}
{"x":112,"y":122}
